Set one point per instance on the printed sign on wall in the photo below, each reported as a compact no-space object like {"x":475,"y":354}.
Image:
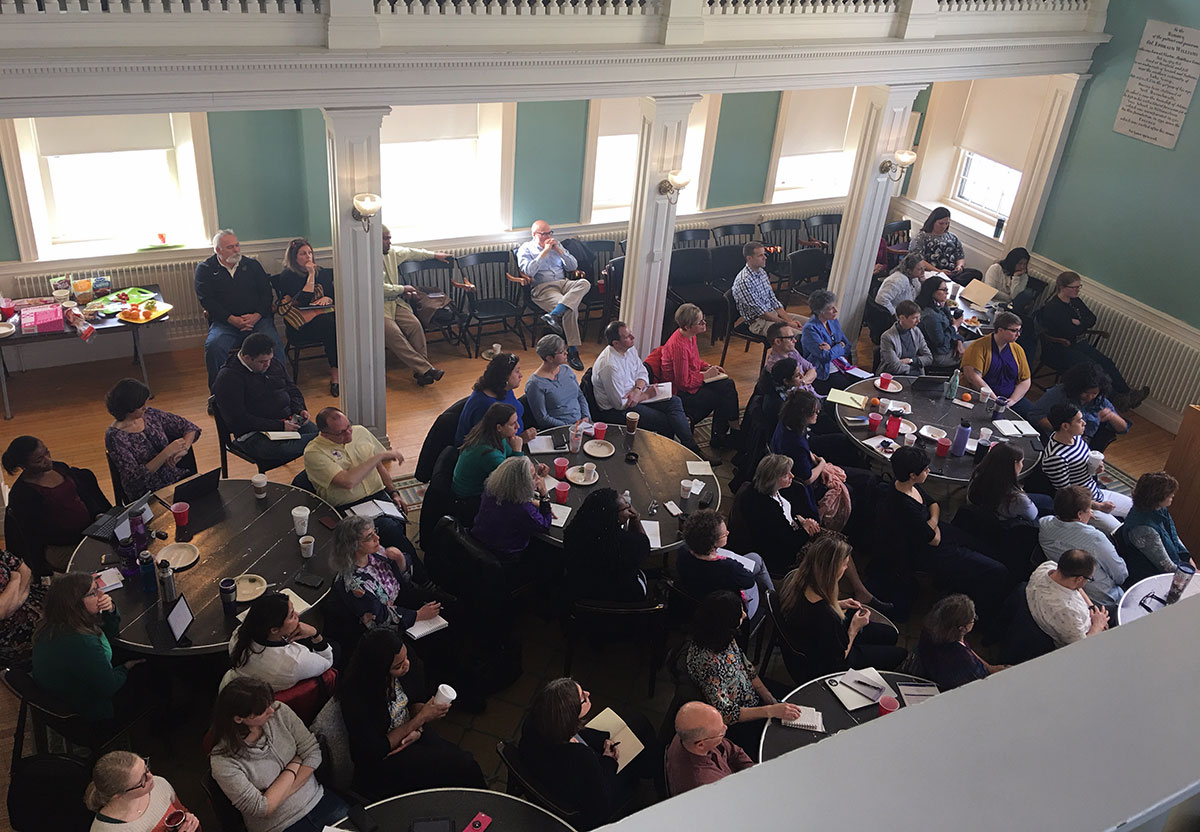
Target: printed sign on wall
{"x":1161,"y":84}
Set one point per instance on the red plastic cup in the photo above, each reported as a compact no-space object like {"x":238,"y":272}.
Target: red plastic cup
{"x":887,"y":704}
{"x":943,"y":446}
{"x":893,"y":427}
{"x":875,"y":420}
{"x":561,"y":491}
{"x":560,"y":466}
{"x":886,"y":379}
{"x":599,"y":429}
{"x":180,"y":512}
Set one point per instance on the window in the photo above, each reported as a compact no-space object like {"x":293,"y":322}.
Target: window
{"x":440,"y":170}
{"x":616,"y":159}
{"x":100,"y":185}
{"x":986,"y":185}
{"x":815,"y":161}
{"x":813,"y":176}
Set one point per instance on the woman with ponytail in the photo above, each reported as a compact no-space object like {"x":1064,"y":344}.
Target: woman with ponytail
{"x":275,"y":646}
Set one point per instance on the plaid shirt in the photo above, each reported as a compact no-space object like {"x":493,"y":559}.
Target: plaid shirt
{"x":752,"y":292}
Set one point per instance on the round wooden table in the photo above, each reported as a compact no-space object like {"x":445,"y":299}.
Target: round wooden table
{"x":235,"y":534}
{"x":459,"y":807}
{"x":661,"y":465}
{"x":929,"y":407}
{"x":778,"y":739}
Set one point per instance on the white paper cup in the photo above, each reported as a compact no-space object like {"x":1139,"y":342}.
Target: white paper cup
{"x":910,"y":439}
{"x":685,"y":489}
{"x":306,"y":546}
{"x":496,"y":349}
{"x":445,"y":695}
{"x":1095,"y":458}
{"x":985,"y":434}
{"x":300,"y":519}
{"x":589,"y":469}
{"x":259,"y":481}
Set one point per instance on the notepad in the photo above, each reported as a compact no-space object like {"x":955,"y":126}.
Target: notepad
{"x":810,"y":719}
{"x":851,"y":698}
{"x":700,"y":468}
{"x":650,"y":527}
{"x":717,"y":377}
{"x":109,"y":579}
{"x":543,"y":444}
{"x":560,"y":513}
{"x":280,"y":435}
{"x":913,"y":692}
{"x":1015,"y":427}
{"x":849,"y":399}
{"x":608,"y":721}
{"x":374,"y":508}
{"x":430,"y":625}
{"x":662,"y":392}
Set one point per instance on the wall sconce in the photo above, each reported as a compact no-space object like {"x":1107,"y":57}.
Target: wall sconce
{"x":675,"y":182}
{"x":365,"y":207}
{"x":895,"y":169}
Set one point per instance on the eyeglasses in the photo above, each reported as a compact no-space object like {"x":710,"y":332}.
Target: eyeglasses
{"x":785,"y":337}
{"x":1013,"y":329}
{"x":145,"y":778}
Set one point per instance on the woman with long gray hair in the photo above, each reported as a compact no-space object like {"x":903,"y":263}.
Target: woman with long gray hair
{"x":380,"y":585}
{"x":508,"y":517}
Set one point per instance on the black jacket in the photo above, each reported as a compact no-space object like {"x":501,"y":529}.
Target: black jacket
{"x":29,"y":528}
{"x":289,"y":283}
{"x":757,"y":524}
{"x":255,"y":401}
{"x":577,"y":775}
{"x":248,"y":290}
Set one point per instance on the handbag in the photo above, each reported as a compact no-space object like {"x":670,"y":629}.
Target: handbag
{"x":296,"y":317}
{"x":429,"y":305}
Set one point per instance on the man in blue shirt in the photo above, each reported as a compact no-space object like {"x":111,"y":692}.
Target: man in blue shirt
{"x":756,"y":302}
{"x":544,"y":265}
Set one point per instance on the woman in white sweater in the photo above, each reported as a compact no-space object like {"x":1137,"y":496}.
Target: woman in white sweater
{"x":127,"y":797}
{"x":1010,"y":276}
{"x":275,"y":646}
{"x":264,"y":759}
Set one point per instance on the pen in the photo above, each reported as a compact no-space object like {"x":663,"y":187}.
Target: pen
{"x":867,"y":684}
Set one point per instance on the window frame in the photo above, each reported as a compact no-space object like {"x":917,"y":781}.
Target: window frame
{"x":957,"y":180}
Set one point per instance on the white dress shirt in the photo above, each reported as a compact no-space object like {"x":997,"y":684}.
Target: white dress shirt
{"x":614,"y":375}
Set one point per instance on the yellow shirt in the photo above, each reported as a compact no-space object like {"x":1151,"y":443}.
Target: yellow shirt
{"x":324,"y":460}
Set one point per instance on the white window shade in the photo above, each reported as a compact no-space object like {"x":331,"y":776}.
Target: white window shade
{"x":1000,"y":117}
{"x":430,"y":122}
{"x":620,"y":117}
{"x":816,"y":121}
{"x":103,"y":134}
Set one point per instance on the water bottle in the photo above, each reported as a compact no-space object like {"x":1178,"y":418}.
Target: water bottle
{"x":959,"y":446}
{"x":166,"y":582}
{"x":137,"y":531}
{"x":146,"y":568}
{"x":127,"y":553}
{"x":981,"y":450}
{"x":952,"y":386}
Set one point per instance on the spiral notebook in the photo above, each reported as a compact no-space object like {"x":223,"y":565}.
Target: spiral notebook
{"x":810,"y":719}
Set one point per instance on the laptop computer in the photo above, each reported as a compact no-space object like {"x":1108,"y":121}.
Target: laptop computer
{"x":193,"y":488}
{"x":977,"y":293}
{"x":104,"y":528}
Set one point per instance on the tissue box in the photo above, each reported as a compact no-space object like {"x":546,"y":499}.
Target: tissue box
{"x":42,"y":319}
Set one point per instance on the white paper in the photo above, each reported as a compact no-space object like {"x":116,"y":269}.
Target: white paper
{"x":560,"y":513}
{"x":697,"y":486}
{"x":420,"y":629}
{"x":543,"y":444}
{"x":1161,"y":83}
{"x":280,"y":435}
{"x":810,"y":719}
{"x":650,"y":527}
{"x":662,"y":392}
{"x":1006,"y":427}
{"x":121,"y":530}
{"x":858,"y":372}
{"x":851,"y":698}
{"x":700,"y":468}
{"x":1024,"y":427}
{"x":913,"y":692}
{"x":674,"y":509}
{"x":110,"y":579}
{"x":746,"y":563}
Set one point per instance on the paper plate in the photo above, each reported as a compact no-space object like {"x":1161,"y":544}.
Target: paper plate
{"x":249,"y":587}
{"x":577,"y":476}
{"x":894,"y":387}
{"x":931,"y":433}
{"x":598,"y":448}
{"x":903,"y":407}
{"x":179,"y":555}
{"x":877,"y":443}
{"x":906,"y":427}
{"x":6,"y":329}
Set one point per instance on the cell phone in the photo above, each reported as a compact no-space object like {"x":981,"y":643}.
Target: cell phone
{"x":478,"y":823}
{"x":328,"y":522}
{"x":560,"y":440}
{"x":432,"y":825}
{"x":362,"y":820}
{"x":310,"y":581}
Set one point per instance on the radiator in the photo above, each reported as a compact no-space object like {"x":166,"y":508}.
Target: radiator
{"x":174,"y":279}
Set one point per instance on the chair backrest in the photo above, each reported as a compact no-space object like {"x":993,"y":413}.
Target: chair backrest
{"x":807,"y":263}
{"x":461,"y":564}
{"x":522,"y":782}
{"x":589,"y":392}
{"x":115,"y":475}
{"x":488,"y":271}
{"x":604,"y":250}
{"x":735,"y":234}
{"x":302,"y":480}
{"x":435,"y":275}
{"x":439,"y":496}
{"x":878,"y":319}
{"x":614,"y":273}
{"x":229,"y":818}
{"x":689,"y":267}
{"x":895,"y":233}
{"x":440,"y":436}
{"x":824,"y":227}
{"x":794,"y":659}
{"x":782,"y":235}
{"x":1025,"y":639}
{"x":692,"y":238}
{"x":308,"y":696}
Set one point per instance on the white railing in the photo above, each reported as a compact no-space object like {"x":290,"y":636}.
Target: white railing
{"x":520,"y":8}
{"x":801,"y":7}
{"x":1013,"y":5}
{"x":64,"y":9}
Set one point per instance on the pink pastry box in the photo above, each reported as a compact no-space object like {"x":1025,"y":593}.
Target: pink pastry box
{"x":41,"y":319}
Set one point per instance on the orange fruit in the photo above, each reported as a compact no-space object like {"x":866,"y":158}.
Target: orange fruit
{"x":966,"y":397}
{"x":875,"y":402}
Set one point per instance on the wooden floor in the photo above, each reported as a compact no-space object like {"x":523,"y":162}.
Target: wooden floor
{"x":64,"y":406}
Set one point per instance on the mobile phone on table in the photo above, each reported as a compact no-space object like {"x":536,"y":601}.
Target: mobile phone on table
{"x":310,"y":581}
{"x":328,"y":522}
{"x":478,"y":823}
{"x":560,"y":440}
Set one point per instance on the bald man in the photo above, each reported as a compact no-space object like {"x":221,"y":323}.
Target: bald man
{"x":700,"y":753}
{"x":544,"y":265}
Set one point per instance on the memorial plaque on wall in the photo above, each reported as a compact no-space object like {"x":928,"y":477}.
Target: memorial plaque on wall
{"x":1161,"y":84}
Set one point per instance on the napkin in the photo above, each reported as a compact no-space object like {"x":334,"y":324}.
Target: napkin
{"x":560,"y":513}
{"x":700,"y":468}
{"x":650,"y":527}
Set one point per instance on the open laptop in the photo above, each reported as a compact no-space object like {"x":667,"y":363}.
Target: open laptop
{"x":104,"y":529}
{"x":977,"y":293}
{"x":194,"y":488}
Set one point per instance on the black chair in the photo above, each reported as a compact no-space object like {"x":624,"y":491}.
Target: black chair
{"x":439,"y":437}
{"x":495,"y":298}
{"x":808,"y":271}
{"x":689,"y":280}
{"x":521,"y":782}
{"x":301,"y":480}
{"x":294,"y":346}
{"x":598,"y":296}
{"x":614,"y":276}
{"x":1011,"y":542}
{"x":726,"y":263}
{"x":737,"y":328}
{"x":589,"y":393}
{"x":227,"y":814}
{"x":1024,"y":639}
{"x":692,"y":238}
{"x":437,"y":277}
{"x":737,"y":234}
{"x":878,"y":319}
{"x":228,"y":445}
{"x":639,"y":620}
{"x":780,"y":237}
{"x":794,"y":660}
{"x":439,"y":499}
{"x":49,"y":713}
{"x":897,"y":236}
{"x":824,"y":228}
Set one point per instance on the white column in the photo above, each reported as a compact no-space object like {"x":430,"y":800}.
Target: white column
{"x":1041,"y":163}
{"x":652,"y":224}
{"x":353,"y":24}
{"x":353,"y":141}
{"x":885,"y":130}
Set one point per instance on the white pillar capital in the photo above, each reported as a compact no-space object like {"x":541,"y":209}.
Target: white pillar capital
{"x":353,"y":139}
{"x":652,"y":221}
{"x":352,"y":24}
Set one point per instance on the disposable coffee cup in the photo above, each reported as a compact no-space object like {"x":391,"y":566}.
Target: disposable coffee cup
{"x":910,"y":439}
{"x":632,"y":417}
{"x":445,"y":695}
{"x":306,"y":546}
{"x":259,"y":481}
{"x":589,"y":469}
{"x":300,"y":519}
{"x":228,"y":589}
{"x":985,"y":434}
{"x":496,"y":348}
{"x":685,"y":489}
{"x":887,"y":704}
{"x":1095,"y":460}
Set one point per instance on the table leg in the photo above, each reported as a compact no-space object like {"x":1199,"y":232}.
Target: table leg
{"x":137,"y":355}
{"x":4,"y":384}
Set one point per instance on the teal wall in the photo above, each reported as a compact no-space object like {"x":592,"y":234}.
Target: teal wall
{"x":742,"y":154}
{"x":315,"y":158}
{"x":548,"y":166}
{"x":8,"y":234}
{"x":1118,"y":211}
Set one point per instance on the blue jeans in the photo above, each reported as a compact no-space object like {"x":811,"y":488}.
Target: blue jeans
{"x":277,"y":452}
{"x":223,"y":338}
{"x":328,"y":811}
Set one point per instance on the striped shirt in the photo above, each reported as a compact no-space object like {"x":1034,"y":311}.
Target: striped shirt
{"x":1057,"y":536}
{"x":1068,"y":465}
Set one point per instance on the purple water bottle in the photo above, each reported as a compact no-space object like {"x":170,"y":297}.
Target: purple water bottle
{"x":959,"y":446}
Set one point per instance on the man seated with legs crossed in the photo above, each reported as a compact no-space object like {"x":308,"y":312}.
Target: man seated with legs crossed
{"x":403,"y":331}
{"x":756,"y":301}
{"x":621,"y":383}
{"x":254,"y":394}
{"x":544,"y":265}
{"x":700,"y":753}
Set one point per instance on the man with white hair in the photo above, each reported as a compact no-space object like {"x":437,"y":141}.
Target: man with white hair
{"x":700,"y":753}
{"x":545,"y":266}
{"x":235,"y":291}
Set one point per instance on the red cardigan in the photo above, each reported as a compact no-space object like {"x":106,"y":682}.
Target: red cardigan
{"x":678,"y":361}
